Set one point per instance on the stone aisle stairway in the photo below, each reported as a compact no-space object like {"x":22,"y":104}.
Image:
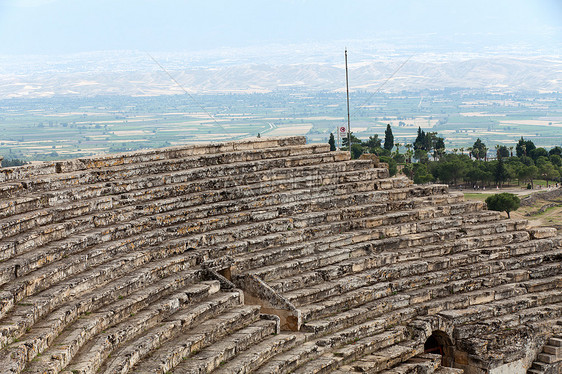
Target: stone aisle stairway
{"x":549,"y":360}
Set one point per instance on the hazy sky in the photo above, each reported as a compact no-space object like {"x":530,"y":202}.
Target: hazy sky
{"x":69,"y":26}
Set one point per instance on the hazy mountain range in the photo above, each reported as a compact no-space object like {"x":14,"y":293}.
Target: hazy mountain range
{"x":135,"y":73}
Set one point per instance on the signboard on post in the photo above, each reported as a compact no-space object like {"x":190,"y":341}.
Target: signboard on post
{"x":342,"y":131}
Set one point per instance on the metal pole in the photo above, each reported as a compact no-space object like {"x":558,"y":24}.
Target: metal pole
{"x":338,"y":143}
{"x":347,"y":91}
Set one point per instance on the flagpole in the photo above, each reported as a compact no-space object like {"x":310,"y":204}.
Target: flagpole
{"x":347,"y":91}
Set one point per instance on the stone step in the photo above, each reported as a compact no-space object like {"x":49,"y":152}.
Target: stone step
{"x":250,"y":360}
{"x":31,"y":250}
{"x":553,"y":350}
{"x":547,"y":358}
{"x":23,"y":352}
{"x":272,"y":252}
{"x":395,"y":308}
{"x":365,"y":263}
{"x":346,"y":309}
{"x":539,"y":367}
{"x":10,"y":273}
{"x":157,"y":345}
{"x":333,"y":281}
{"x":99,"y":220}
{"x":290,"y":268}
{"x":78,"y":169}
{"x":501,"y":307}
{"x":96,"y":288}
{"x":27,"y":249}
{"x":96,"y":162}
{"x":425,"y":363}
{"x":8,"y":267}
{"x":69,"y":195}
{"x":145,"y":303}
{"x":287,"y":362}
{"x":221,"y":351}
{"x":352,"y":350}
{"x":149,"y":176}
{"x":92,"y":355}
{"x":387,"y":357}
{"x":131,"y":252}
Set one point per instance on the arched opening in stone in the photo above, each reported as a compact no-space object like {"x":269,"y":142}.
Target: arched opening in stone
{"x":440,"y":343}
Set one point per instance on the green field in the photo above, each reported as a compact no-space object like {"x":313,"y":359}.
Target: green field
{"x":64,"y":127}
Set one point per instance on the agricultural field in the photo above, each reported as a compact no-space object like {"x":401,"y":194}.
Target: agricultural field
{"x":66,"y":127}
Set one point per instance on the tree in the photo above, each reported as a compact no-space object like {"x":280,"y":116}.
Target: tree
{"x":502,"y":151}
{"x":528,"y":174}
{"x":500,"y":173}
{"x":524,"y":147}
{"x":421,"y":174}
{"x":439,"y":147}
{"x":373,"y":142}
{"x":409,"y":152}
{"x":548,"y":172}
{"x":556,"y":160}
{"x":448,"y":171}
{"x":421,"y":156}
{"x":354,"y":140}
{"x":332,"y":142}
{"x":388,"y":138}
{"x":356,"y":151}
{"x":503,"y":202}
{"x":420,"y":140}
{"x":479,"y":149}
{"x":538,"y":152}
{"x":555,"y":151}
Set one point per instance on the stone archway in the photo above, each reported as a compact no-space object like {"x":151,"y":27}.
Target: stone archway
{"x":440,"y":343}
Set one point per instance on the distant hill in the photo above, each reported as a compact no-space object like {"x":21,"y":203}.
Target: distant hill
{"x":505,"y":74}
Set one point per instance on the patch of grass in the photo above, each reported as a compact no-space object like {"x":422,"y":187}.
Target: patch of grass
{"x":476,"y":196}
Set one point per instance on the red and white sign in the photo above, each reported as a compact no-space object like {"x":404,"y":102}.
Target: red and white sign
{"x":342,"y":130}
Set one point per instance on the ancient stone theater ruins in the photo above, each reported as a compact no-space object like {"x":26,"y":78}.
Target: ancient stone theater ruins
{"x":265,"y":256}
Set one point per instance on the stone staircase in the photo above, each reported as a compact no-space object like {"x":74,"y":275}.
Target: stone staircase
{"x":263,"y":256}
{"x":549,"y":360}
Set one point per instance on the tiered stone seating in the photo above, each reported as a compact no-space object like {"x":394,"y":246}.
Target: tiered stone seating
{"x":174,"y":260}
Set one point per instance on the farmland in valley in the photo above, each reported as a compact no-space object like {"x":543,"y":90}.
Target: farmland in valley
{"x":64,"y":127}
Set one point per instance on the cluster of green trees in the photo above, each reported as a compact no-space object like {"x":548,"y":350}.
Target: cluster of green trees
{"x":469,"y":165}
{"x":12,"y":162}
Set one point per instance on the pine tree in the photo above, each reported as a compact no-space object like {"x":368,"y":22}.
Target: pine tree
{"x":332,"y":142}
{"x":388,"y":138}
{"x":500,"y":173}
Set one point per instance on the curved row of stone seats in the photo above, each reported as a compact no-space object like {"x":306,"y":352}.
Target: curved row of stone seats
{"x":427,"y":363}
{"x":474,"y":297}
{"x":343,"y":338}
{"x":25,"y":267}
{"x":16,"y":206}
{"x":358,"y":253}
{"x":98,"y":220}
{"x":329,"y":290}
{"x":112,"y":160}
{"x":28,"y":246}
{"x":26,"y":325}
